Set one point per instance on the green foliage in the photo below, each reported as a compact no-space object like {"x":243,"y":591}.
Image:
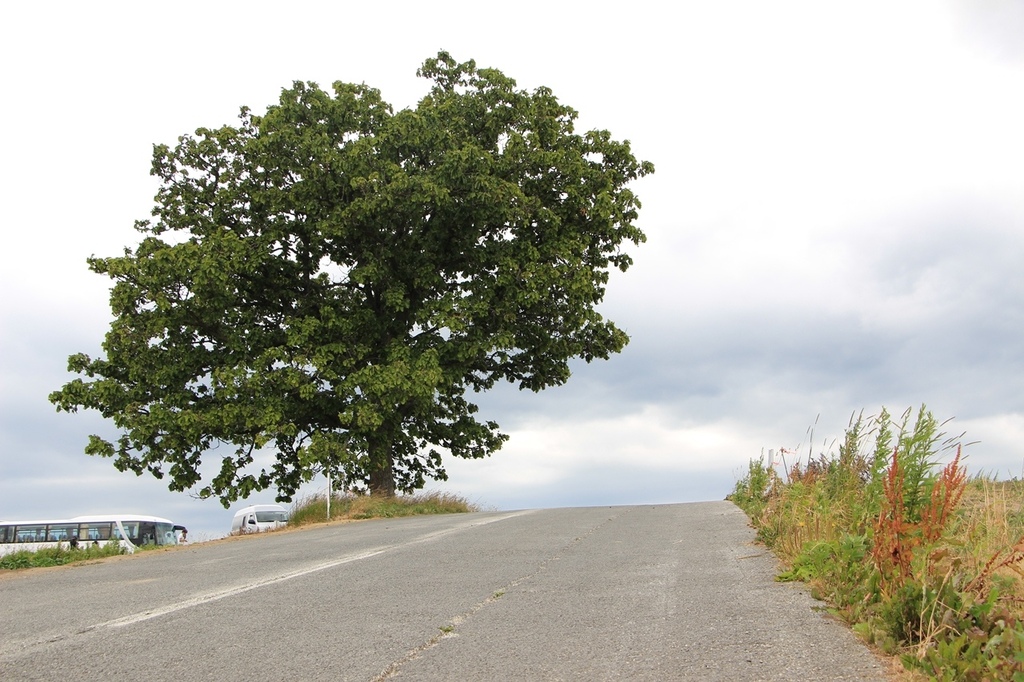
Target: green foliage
{"x":837,"y":569}
{"x":324,"y":284}
{"x":752,"y":492}
{"x":314,"y":509}
{"x":917,"y":450}
{"x":985,"y":642}
{"x":871,"y":530}
{"x":59,"y":556}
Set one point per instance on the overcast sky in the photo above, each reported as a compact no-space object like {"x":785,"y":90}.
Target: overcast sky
{"x":836,"y":223}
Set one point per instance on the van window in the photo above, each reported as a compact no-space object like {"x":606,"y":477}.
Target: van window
{"x":271,"y":516}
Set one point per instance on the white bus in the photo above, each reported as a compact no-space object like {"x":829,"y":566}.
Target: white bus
{"x":129,"y":530}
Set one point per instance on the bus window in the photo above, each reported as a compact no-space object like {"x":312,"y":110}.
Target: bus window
{"x":144,"y":533}
{"x":32,"y":533}
{"x":95,"y":531}
{"x":131,"y":528}
{"x":61,"y":533}
{"x":165,"y":534}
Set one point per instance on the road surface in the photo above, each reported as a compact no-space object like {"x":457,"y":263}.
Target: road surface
{"x":665,"y":592}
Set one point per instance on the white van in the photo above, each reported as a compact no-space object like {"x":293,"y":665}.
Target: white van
{"x":259,"y":517}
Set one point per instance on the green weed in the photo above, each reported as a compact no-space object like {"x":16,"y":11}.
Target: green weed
{"x":58,"y":556}
{"x":920,"y":561}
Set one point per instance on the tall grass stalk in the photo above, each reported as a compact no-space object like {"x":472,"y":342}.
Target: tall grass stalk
{"x":922,"y":562}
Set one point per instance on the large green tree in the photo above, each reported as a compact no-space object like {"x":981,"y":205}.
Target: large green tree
{"x":326,"y":282}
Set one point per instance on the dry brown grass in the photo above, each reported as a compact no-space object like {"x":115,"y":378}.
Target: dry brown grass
{"x":989,"y":532}
{"x":314,"y":509}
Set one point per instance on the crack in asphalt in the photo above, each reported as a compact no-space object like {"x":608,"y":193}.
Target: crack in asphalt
{"x":447,"y":631}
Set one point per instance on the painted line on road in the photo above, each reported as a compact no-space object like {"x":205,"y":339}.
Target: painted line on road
{"x":230,"y":592}
{"x":273,"y":580}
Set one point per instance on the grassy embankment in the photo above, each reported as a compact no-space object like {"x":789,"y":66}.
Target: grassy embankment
{"x":920,"y":560}
{"x":314,"y":509}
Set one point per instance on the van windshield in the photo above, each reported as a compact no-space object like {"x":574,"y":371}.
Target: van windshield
{"x":271,"y":517}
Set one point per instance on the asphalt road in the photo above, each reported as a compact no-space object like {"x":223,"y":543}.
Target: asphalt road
{"x":668,"y":592}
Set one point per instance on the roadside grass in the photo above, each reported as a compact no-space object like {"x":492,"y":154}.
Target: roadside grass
{"x":58,"y":556}
{"x":313,"y":509}
{"x":921,"y":561}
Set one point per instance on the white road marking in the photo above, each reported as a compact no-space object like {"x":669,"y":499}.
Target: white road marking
{"x":271,"y":580}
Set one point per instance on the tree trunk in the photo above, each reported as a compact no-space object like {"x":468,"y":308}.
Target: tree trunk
{"x":382,"y":476}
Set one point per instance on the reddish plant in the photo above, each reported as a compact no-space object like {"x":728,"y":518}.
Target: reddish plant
{"x":896,"y":538}
{"x":891,"y":552}
{"x":945,"y":498}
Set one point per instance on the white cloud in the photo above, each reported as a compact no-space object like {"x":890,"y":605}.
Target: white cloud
{"x":992,"y":27}
{"x":998,"y":452}
{"x":834,"y":223}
